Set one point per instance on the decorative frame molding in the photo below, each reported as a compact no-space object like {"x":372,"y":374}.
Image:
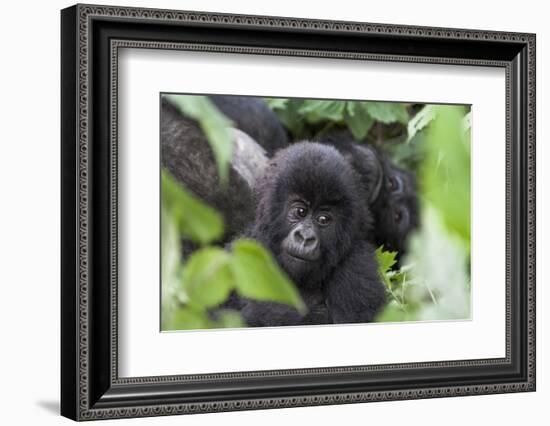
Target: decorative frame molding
{"x":91,"y":38}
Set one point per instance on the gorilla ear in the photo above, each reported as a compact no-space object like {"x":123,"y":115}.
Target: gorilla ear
{"x":372,"y":165}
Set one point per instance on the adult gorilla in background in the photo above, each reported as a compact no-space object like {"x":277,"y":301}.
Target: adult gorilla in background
{"x":390,"y":190}
{"x":313,"y":217}
{"x":396,"y":209}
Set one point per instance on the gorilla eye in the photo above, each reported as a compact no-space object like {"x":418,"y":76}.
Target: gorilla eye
{"x":323,"y":220}
{"x":301,"y":211}
{"x":397,"y":216}
{"x":393,"y":184}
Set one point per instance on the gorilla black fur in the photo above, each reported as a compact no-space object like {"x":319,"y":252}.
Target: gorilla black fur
{"x":396,"y":209}
{"x":312,"y":216}
{"x":390,"y":190}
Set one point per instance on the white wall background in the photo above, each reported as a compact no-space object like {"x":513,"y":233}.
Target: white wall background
{"x":29,"y":211}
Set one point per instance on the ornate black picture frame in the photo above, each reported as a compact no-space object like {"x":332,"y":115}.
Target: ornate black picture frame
{"x":90,"y":38}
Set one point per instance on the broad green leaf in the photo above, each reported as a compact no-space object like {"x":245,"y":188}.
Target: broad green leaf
{"x":287,"y":111}
{"x":420,"y":120}
{"x":393,"y":312}
{"x":227,"y":318}
{"x":467,"y":122}
{"x":316,"y":111}
{"x":257,"y":275}
{"x":276,"y":103}
{"x":207,"y":277}
{"x":189,"y":319}
{"x":445,"y":173}
{"x":170,"y":265}
{"x":387,"y":112}
{"x":214,"y":124}
{"x":195,"y":220}
{"x":358,"y":119}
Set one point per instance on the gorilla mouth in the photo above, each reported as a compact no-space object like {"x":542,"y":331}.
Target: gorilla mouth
{"x":302,"y":257}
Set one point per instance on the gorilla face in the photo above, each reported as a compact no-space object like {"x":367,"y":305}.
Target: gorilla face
{"x":399,"y":181}
{"x":303,"y":241}
{"x":397,"y":209}
{"x":310,"y":230}
{"x":310,"y":210}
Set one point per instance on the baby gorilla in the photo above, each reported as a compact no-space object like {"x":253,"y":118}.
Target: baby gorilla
{"x":311,"y":215}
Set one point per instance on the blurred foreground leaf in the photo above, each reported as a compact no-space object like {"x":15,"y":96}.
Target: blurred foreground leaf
{"x":214,"y":124}
{"x":207,"y":277}
{"x":194,"y":219}
{"x":227,"y":318}
{"x":189,"y":319}
{"x":170,"y":266}
{"x":445,"y":173}
{"x":257,"y":275}
{"x":440,"y":269}
{"x":394,"y":312}
{"x":420,"y":121}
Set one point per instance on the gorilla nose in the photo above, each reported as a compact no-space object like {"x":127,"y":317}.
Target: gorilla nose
{"x":306,"y":238}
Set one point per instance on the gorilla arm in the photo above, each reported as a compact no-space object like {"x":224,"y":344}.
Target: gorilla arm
{"x":261,"y":314}
{"x":355,"y":292}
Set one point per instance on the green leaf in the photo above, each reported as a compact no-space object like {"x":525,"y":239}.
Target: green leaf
{"x":214,"y":124}
{"x":467,"y":122}
{"x":393,"y":312}
{"x":189,"y":319}
{"x":445,"y":173}
{"x":420,"y":120}
{"x":287,"y":111}
{"x":358,"y":119}
{"x":387,"y":112}
{"x":195,"y":220}
{"x":227,"y":318}
{"x":276,"y":103}
{"x":259,"y":277}
{"x":170,"y":265}
{"x":207,"y":277}
{"x":316,"y":111}
{"x":411,"y":154}
{"x":441,"y":270}
{"x":386,"y":259}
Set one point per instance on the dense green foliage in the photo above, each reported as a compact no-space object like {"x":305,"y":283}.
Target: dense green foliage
{"x":310,"y":118}
{"x":433,"y":281}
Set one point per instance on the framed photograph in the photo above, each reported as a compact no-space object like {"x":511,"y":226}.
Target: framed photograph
{"x":263,"y":212}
